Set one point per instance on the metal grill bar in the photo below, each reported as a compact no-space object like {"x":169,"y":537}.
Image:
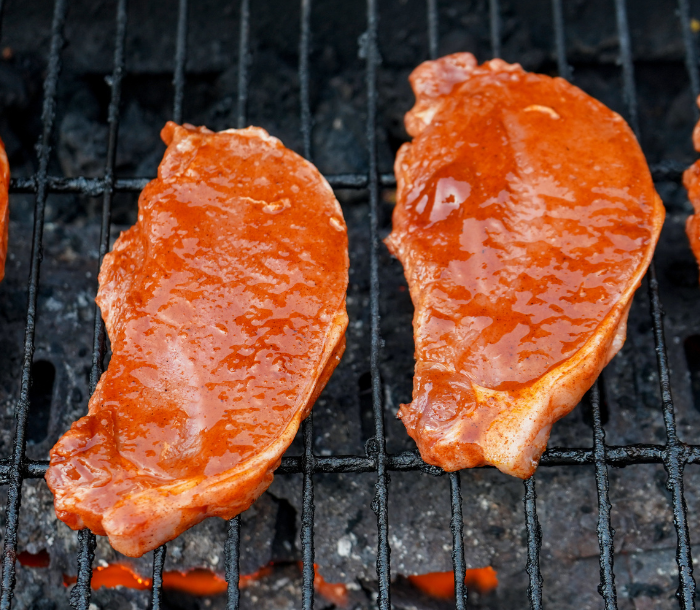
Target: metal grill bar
{"x":307,"y":462}
{"x":675,"y":456}
{"x":180,"y":60}
{"x":157,"y":582}
{"x":232,"y":554}
{"x":456,"y":520}
{"x":676,"y":452}
{"x":243,"y":63}
{"x":495,"y":14}
{"x":80,"y":594}
{"x":605,"y":530}
{"x":87,"y":538}
{"x":232,"y":548}
{"x":304,"y":51}
{"x":14,"y":495}
{"x":628,"y":86}
{"x":668,"y":170}
{"x":691,"y":57}
{"x":307,"y":516}
{"x":378,"y":446}
{"x":534,"y":542}
{"x":433,"y":29}
{"x":616,"y":456}
{"x":560,"y":40}
{"x":457,"y":526}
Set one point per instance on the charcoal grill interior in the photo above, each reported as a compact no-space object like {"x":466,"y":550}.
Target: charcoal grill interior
{"x":673,"y":454}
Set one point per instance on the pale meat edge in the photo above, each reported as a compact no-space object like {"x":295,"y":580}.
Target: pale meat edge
{"x":515,"y":441}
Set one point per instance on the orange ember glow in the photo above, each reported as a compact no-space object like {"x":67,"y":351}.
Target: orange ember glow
{"x":195,"y":582}
{"x":245,"y":580}
{"x":198,"y":581}
{"x":336,"y":593}
{"x":441,"y":585}
{"x":34,"y":560}
{"x":111,"y":576}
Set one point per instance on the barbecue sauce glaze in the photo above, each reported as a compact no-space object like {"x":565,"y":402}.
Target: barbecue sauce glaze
{"x":225,"y":307}
{"x":525,"y":219}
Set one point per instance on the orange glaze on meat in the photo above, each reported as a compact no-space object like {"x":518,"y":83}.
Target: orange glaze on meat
{"x":525,"y":219}
{"x":691,"y":181}
{"x":225,"y":306}
{"x":4,"y":207}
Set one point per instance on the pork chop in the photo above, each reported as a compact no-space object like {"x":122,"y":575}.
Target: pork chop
{"x":691,"y":181}
{"x":225,"y":307}
{"x":525,"y":220}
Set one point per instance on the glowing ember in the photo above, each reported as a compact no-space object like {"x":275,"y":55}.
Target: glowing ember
{"x":245,"y":580}
{"x":441,"y":585}
{"x":336,"y":593}
{"x":195,"y":582}
{"x":34,"y":560}
{"x":114,"y":575}
{"x":198,"y":581}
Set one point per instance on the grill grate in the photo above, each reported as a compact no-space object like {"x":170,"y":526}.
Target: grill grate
{"x":674,"y":455}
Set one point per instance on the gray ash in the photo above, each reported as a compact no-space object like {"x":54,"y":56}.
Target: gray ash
{"x":345,"y":529}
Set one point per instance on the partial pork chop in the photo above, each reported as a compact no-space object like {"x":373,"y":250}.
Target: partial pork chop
{"x":225,"y":306}
{"x":525,"y":220}
{"x":691,"y":181}
{"x":4,"y":207}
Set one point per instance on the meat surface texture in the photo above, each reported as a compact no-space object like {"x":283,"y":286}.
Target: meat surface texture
{"x":525,"y":220}
{"x":4,"y":207}
{"x":691,"y":181}
{"x":225,"y":307}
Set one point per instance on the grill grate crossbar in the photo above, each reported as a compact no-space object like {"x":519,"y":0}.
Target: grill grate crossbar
{"x":675,"y":454}
{"x":667,"y":170}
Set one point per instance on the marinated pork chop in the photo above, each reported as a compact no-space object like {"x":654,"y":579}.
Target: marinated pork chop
{"x":4,"y":207}
{"x":525,"y":220}
{"x":225,"y":306}
{"x":691,"y":181}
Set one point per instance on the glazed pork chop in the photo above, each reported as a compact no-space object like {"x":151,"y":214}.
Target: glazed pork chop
{"x":225,"y":307}
{"x":525,"y":220}
{"x":691,"y":181}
